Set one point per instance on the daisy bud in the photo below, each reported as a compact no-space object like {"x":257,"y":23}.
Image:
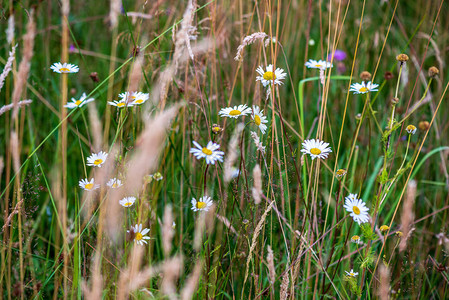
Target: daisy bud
{"x":411,"y":129}
{"x":394,"y":101}
{"x":340,"y":173}
{"x":423,"y":125}
{"x":216,"y":129}
{"x":402,"y":58}
{"x":433,"y":71}
{"x":365,"y":76}
{"x":384,"y":228}
{"x":399,"y":233}
{"x":94,"y":76}
{"x":358,"y":117}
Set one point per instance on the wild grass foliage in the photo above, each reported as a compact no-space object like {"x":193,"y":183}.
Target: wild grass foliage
{"x":224,"y":149}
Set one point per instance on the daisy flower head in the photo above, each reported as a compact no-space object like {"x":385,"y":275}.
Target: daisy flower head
{"x":357,"y":208}
{"x":114,"y":183}
{"x":64,"y":68}
{"x":80,"y":102}
{"x":210,"y":152}
{"x":203,"y":204}
{"x":120,"y":104}
{"x":355,"y":239}
{"x":134,"y":98}
{"x":127,"y":201}
{"x":364,"y":87}
{"x":259,"y":118}
{"x":88,"y":185}
{"x":340,"y":173}
{"x":139,"y":234}
{"x":270,"y":75}
{"x":316,"y":148}
{"x":351,"y":273}
{"x":157,"y":176}
{"x":320,"y":64}
{"x":384,"y":228}
{"x":235,"y":112}
{"x":97,"y":159}
{"x":411,"y":129}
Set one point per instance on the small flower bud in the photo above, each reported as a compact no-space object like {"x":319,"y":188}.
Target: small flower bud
{"x":216,"y":129}
{"x":365,"y":76}
{"x":384,"y":228}
{"x":394,"y":101}
{"x":411,"y":129}
{"x":433,"y":71}
{"x":388,"y":75}
{"x":358,"y":116}
{"x":402,"y":58}
{"x":94,"y":76}
{"x":423,"y":125}
{"x":340,"y":173}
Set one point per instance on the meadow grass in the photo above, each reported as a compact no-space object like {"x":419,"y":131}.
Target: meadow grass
{"x":223,"y":180}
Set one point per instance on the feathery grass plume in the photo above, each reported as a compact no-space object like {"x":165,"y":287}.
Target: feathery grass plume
{"x":65,"y":8}
{"x":270,"y":263}
{"x":183,"y":36}
{"x":8,"y":66}
{"x":8,"y":107}
{"x":255,"y":236}
{"x":25,"y":63}
{"x":384,"y":290}
{"x":10,"y":29}
{"x":232,"y":153}
{"x":257,"y":186}
{"x":136,"y":72}
{"x":407,"y":214}
{"x":128,"y":275}
{"x":227,"y":223}
{"x":248,"y":40}
{"x":95,"y":127}
{"x":96,"y":291}
{"x":284,"y":285}
{"x":171,"y":270}
{"x":14,"y":146}
{"x":167,"y":230}
{"x":259,"y":146}
{"x":200,"y":226}
{"x":114,"y":12}
{"x":192,"y":282}
{"x":2,"y":165}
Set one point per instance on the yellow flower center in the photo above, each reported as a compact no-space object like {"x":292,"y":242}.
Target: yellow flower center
{"x":318,"y":66}
{"x":384,"y":228}
{"x":88,"y":186}
{"x":78,"y":102}
{"x":127,"y":204}
{"x":341,"y":172}
{"x":201,"y":205}
{"x":216,"y":129}
{"x":269,"y":75}
{"x":315,"y":151}
{"x":363,"y":89}
{"x":98,"y":161}
{"x":207,"y":151}
{"x":64,"y":70}
{"x":257,"y":120}
{"x":139,"y":101}
{"x":120,"y":104}
{"x":133,"y":97}
{"x":235,"y":112}
{"x":138,"y":236}
{"x":114,"y":185}
{"x":355,"y":238}
{"x":356,"y":210}
{"x":352,"y":274}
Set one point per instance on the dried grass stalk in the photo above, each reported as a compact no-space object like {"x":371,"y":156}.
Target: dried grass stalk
{"x":384,"y":275}
{"x":407,"y":214}
{"x":114,"y":12}
{"x":227,"y":223}
{"x":96,"y":291}
{"x":24,"y":66}
{"x":14,"y":146}
{"x":8,"y":107}
{"x":136,"y":73}
{"x":232,"y":153}
{"x":192,"y":282}
{"x":10,"y":29}
{"x":284,"y":285}
{"x":167,"y":230}
{"x":8,"y":66}
{"x":171,"y":270}
{"x":248,"y":40}
{"x":270,"y":263}
{"x":95,"y":127}
{"x":257,"y":187}
{"x":128,"y":275}
{"x":255,"y":236}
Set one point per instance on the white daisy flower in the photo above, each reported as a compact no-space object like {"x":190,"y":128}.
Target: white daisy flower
{"x":235,"y":172}
{"x":80,"y":102}
{"x":364,"y":87}
{"x":139,"y":234}
{"x":357,"y":209}
{"x":321,"y":64}
{"x":114,"y":183}
{"x":411,"y":129}
{"x":351,"y":273}
{"x":203,"y":204}
{"x":127,"y":201}
{"x":267,"y":77}
{"x":119,"y":104}
{"x":157,"y":176}
{"x":97,"y":159}
{"x":64,"y":68}
{"x":210,"y":152}
{"x":134,"y":98}
{"x":355,"y":239}
{"x":235,"y":112}
{"x":88,"y":185}
{"x":316,"y":148}
{"x":259,"y":118}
